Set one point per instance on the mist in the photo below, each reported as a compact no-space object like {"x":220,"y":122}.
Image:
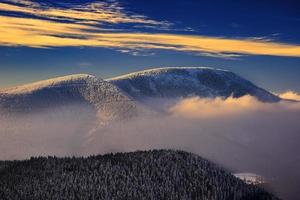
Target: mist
{"x":242,"y":135}
{"x":58,"y":131}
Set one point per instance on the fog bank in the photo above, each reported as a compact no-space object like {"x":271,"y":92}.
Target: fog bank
{"x":243,"y":135}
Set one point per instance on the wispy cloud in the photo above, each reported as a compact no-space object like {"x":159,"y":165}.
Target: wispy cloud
{"x":84,"y":26}
{"x":93,"y":13}
{"x":85,"y":64}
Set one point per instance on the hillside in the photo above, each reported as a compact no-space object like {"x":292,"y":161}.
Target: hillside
{"x":117,"y":98}
{"x":188,"y":81}
{"x":106,"y":100}
{"x":158,"y":174}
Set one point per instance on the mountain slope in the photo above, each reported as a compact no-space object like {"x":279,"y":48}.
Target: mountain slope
{"x":158,"y":174}
{"x":104,"y":98}
{"x":117,"y":98}
{"x":188,"y":81}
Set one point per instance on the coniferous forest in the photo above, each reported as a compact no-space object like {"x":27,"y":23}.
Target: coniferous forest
{"x":157,"y":174}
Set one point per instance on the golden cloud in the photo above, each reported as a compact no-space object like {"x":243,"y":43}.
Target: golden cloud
{"x":290,"y":95}
{"x":207,"y":108}
{"x":99,"y":12}
{"x":80,"y":31}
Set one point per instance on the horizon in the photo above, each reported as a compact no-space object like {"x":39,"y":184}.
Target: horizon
{"x":47,"y":77}
{"x":280,"y":94}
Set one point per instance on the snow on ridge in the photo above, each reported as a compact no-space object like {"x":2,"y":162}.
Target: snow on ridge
{"x":105,"y":99}
{"x":53,"y":82}
{"x":187,"y":81}
{"x":250,"y":178}
{"x":162,"y":70}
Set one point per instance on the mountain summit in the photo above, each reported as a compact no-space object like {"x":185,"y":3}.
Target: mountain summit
{"x":80,"y":89}
{"x":117,"y":98}
{"x":189,"y":81}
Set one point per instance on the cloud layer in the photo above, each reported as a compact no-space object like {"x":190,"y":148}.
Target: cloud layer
{"x":243,"y":135}
{"x":201,"y":108}
{"x":87,"y":25}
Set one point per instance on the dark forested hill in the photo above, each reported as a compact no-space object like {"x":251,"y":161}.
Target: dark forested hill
{"x":158,"y":174}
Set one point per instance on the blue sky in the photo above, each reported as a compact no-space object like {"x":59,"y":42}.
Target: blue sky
{"x":256,"y":39}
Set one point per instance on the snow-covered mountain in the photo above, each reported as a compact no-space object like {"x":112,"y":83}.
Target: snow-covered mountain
{"x":117,"y":97}
{"x":188,"y":81}
{"x":104,"y":98}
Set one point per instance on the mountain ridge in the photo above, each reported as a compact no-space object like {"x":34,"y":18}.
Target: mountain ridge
{"x":172,"y":82}
{"x":51,"y":82}
{"x":121,"y":96}
{"x":82,"y":89}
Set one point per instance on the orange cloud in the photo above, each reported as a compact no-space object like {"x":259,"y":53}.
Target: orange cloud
{"x":81,"y":31}
{"x":205,"y":108}
{"x":99,"y":12}
{"x":290,"y":95}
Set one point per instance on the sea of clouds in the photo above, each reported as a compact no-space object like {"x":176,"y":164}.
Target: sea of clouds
{"x":240,"y":134}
